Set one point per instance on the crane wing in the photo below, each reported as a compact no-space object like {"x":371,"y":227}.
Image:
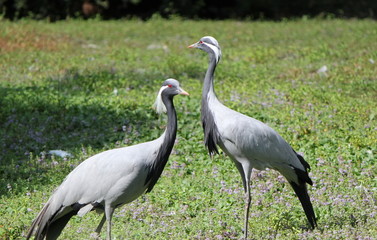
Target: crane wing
{"x":255,"y":140}
{"x":95,"y":179}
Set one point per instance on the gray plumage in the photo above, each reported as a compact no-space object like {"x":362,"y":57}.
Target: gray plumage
{"x":247,"y":141}
{"x":110,"y":179}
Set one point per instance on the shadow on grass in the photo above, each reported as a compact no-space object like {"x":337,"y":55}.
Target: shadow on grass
{"x":68,"y":114}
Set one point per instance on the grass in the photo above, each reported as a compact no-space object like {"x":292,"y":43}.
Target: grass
{"x":88,"y":86}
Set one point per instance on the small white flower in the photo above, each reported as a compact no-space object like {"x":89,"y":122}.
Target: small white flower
{"x":322,"y":71}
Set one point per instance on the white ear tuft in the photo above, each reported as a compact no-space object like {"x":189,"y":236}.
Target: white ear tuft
{"x":158,"y":105}
{"x":216,"y":50}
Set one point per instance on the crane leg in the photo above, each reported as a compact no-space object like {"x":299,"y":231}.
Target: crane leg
{"x":100,"y":225}
{"x":242,"y":173}
{"x":247,"y":208}
{"x":109,"y":214}
{"x":244,"y":168}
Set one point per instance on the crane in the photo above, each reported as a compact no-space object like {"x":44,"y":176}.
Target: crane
{"x":112,"y":178}
{"x":247,"y":141}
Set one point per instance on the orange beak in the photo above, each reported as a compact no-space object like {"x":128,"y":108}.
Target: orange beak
{"x":183,"y":92}
{"x":195,"y":45}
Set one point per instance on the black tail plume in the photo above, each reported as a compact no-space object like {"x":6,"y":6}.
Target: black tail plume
{"x":56,"y":227}
{"x":303,"y":196}
{"x":46,"y":225}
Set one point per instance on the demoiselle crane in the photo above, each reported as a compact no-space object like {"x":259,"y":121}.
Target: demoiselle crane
{"x":112,"y":178}
{"x":247,"y":141}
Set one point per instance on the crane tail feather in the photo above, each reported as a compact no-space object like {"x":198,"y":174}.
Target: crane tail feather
{"x":302,"y":194}
{"x":57,"y":226}
{"x":46,"y":225}
{"x":39,"y":224}
{"x":302,"y":160}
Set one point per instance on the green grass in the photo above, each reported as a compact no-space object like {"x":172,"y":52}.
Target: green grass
{"x":57,"y":86}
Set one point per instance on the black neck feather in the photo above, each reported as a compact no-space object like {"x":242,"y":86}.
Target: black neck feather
{"x":157,"y":166}
{"x":211,"y":133}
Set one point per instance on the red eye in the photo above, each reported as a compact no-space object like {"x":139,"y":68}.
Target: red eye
{"x":170,"y":85}
{"x":200,"y":42}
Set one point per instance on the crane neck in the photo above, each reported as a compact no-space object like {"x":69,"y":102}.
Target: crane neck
{"x":171,"y":127}
{"x":157,"y":166}
{"x":208,"y":87}
{"x":211,"y":132}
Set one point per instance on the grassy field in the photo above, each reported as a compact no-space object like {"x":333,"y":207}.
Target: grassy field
{"x":88,"y":86}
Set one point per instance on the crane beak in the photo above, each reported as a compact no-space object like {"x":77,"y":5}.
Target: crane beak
{"x":183,"y":92}
{"x":195,"y":45}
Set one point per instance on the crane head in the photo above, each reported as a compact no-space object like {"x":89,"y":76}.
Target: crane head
{"x":170,"y":87}
{"x":210,"y":45}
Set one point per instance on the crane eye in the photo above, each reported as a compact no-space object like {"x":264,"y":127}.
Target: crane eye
{"x":169,"y":85}
{"x":200,"y":42}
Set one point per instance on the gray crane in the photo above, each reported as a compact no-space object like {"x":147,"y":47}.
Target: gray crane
{"x":247,"y":141}
{"x":112,"y":178}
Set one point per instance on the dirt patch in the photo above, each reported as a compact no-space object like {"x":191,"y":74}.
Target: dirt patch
{"x":25,"y":40}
